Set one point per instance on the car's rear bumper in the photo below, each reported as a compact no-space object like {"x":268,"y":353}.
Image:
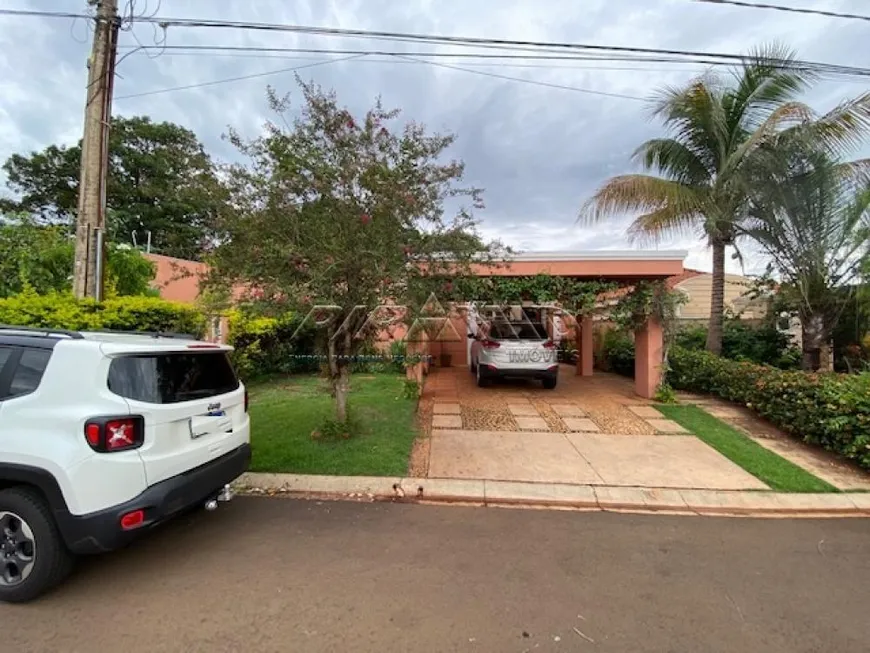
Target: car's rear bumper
{"x":489,"y":371}
{"x":101,"y":531}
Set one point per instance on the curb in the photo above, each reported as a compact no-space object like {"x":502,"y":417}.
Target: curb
{"x":474,"y":492}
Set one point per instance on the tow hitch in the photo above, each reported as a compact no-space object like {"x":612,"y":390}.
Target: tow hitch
{"x":226,"y":494}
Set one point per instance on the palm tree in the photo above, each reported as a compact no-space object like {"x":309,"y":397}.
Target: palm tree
{"x":812,"y":218}
{"x":701,"y":186}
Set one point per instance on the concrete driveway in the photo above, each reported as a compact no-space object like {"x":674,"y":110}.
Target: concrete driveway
{"x":592,"y":431}
{"x":275,"y":575}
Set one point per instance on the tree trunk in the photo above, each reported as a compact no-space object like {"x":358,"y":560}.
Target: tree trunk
{"x":813,"y":336}
{"x":717,"y":299}
{"x":341,"y":386}
{"x":341,"y":380}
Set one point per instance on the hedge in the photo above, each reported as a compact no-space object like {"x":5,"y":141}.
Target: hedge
{"x":63,"y":311}
{"x":830,"y":410}
{"x":271,"y":345}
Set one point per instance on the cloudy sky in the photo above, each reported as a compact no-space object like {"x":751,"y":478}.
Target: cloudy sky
{"x":538,"y":152}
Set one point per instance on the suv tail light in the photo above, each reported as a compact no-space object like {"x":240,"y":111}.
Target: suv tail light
{"x":549,"y":344}
{"x":109,"y":434}
{"x":490,"y":344}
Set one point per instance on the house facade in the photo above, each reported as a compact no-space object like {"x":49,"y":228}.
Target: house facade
{"x":180,"y":281}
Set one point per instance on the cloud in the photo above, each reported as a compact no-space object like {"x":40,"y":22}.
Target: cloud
{"x":539,"y":152}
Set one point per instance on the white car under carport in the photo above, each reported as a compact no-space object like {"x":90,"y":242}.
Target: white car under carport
{"x":503,"y":349}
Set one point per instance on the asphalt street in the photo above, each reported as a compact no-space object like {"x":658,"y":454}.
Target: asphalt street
{"x":266,"y":574}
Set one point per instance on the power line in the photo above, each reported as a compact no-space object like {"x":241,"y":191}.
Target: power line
{"x":489,"y":62}
{"x":825,"y":69}
{"x":469,"y":55}
{"x":42,"y":14}
{"x":474,"y":41}
{"x":234,"y":79}
{"x":797,"y":10}
{"x":527,"y":81}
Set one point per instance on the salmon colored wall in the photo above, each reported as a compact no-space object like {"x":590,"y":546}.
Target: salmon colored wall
{"x":625,"y":269}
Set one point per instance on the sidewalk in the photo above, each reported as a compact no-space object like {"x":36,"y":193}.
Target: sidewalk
{"x":557,"y":495}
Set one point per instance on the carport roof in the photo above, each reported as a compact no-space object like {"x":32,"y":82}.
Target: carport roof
{"x":617,"y":265}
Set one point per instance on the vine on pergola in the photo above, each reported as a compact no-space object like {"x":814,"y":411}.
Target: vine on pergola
{"x":649,"y":300}
{"x":577,"y":297}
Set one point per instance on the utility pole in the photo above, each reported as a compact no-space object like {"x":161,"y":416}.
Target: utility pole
{"x":91,"y":216}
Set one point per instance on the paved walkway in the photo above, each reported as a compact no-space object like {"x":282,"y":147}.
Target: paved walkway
{"x":840,"y":473}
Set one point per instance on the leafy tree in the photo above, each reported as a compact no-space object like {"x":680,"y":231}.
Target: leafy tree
{"x":343,"y":212}
{"x":33,"y":255}
{"x":39,"y":257}
{"x":813,"y":219}
{"x":160,"y":181}
{"x":128,"y":272}
{"x":703,"y":167}
{"x":46,"y":182}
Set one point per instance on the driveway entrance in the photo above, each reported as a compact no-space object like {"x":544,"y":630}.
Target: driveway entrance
{"x":589,"y":430}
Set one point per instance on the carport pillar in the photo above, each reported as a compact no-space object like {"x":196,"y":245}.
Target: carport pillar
{"x":648,"y":358}
{"x":585,"y":358}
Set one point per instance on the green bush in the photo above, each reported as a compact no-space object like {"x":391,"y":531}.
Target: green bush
{"x":271,"y":345}
{"x":40,"y":257}
{"x":831,"y":410}
{"x":744,"y":341}
{"x":63,"y":311}
{"x":618,"y":352}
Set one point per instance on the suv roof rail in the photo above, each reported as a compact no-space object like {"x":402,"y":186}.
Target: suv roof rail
{"x":41,"y":331}
{"x":153,"y":334}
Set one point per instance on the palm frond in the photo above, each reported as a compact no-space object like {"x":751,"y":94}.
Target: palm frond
{"x":632,"y":193}
{"x":842,"y":129}
{"x":650,"y":227}
{"x":785,"y":115}
{"x":855,"y":173}
{"x":768,"y":76}
{"x":695,"y":118}
{"x":674,"y":160}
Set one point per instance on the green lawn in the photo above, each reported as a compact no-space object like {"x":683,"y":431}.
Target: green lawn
{"x":285,"y":411}
{"x":777,"y":472}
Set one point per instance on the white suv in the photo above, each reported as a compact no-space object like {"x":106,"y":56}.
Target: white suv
{"x":103,"y":435}
{"x":504,"y":349}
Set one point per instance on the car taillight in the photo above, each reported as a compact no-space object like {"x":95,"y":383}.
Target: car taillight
{"x":109,"y":434}
{"x":132,"y":520}
{"x":549,"y":344}
{"x":490,"y":344}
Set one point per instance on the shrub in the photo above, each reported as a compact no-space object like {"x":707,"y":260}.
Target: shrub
{"x":618,"y":352}
{"x":745,"y":341}
{"x":831,"y":410}
{"x":63,"y":311}
{"x":271,"y":345}
{"x":398,"y":353}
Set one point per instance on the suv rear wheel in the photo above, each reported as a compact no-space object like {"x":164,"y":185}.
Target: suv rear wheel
{"x":33,"y":557}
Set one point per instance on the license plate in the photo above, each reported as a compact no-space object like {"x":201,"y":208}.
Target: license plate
{"x":215,"y":421}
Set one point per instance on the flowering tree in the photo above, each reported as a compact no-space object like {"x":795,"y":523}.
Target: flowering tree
{"x":335,"y":215}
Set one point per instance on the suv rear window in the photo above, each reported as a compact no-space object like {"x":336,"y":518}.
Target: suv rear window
{"x":517,"y":331}
{"x":172,"y":378}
